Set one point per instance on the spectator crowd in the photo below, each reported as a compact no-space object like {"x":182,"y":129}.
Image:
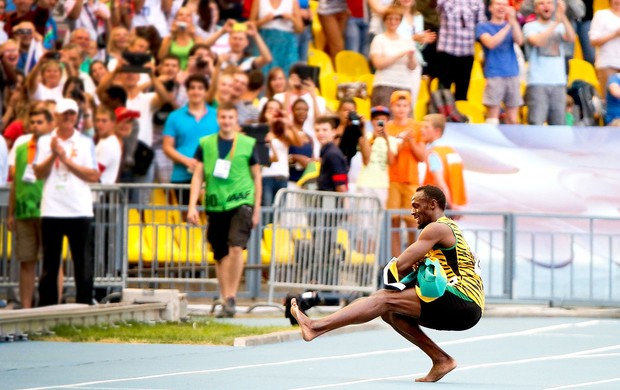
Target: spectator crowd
{"x":122,"y":91}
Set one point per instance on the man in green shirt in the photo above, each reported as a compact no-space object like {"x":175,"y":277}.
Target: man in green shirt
{"x":228,"y":165}
{"x":25,"y":205}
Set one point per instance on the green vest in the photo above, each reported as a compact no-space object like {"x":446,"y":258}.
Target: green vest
{"x":236,"y":190}
{"x":27,"y":195}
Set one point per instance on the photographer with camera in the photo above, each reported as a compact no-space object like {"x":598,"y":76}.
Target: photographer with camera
{"x":239,"y":35}
{"x":373,"y":178}
{"x":200,"y":61}
{"x":126,"y":76}
{"x":44,"y":82}
{"x":25,"y":12}
{"x":182,"y":38}
{"x":281,"y":137}
{"x":351,"y":135}
{"x":301,"y":87}
{"x":30,"y":46}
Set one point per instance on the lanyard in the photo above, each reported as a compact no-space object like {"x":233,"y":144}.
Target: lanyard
{"x":231,"y":153}
{"x":32,"y":150}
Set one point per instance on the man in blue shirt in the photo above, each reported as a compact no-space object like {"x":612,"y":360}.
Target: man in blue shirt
{"x":183,"y":129}
{"x":612,"y":118}
{"x":546,"y":74}
{"x":501,"y":68}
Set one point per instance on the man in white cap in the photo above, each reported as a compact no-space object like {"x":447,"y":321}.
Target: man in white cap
{"x":65,"y":160}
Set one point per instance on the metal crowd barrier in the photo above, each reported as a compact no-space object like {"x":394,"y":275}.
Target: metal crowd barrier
{"x":332,"y":242}
{"x":552,"y":258}
{"x":323,"y":241}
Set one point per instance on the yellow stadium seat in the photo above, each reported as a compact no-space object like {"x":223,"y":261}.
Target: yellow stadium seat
{"x":474,"y":113}
{"x":369,"y":79}
{"x":359,"y":258}
{"x":319,"y":58}
{"x":284,"y":250}
{"x":318,"y":41}
{"x":332,"y":105}
{"x":420,"y":110}
{"x":423,"y":93}
{"x":363,"y":107}
{"x":329,"y":84}
{"x":160,"y":239}
{"x":6,"y":251}
{"x":190,"y":243}
{"x":133,"y":216}
{"x":583,"y":70}
{"x":477,"y":71}
{"x":158,"y":197}
{"x":600,"y":4}
{"x":478,"y":52}
{"x":137,"y":247}
{"x":476,"y":91}
{"x":160,"y":216}
{"x":351,"y":63}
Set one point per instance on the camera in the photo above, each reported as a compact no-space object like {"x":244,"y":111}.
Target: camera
{"x":240,"y":27}
{"x":181,"y":26}
{"x":380,"y":123}
{"x":136,"y":62}
{"x":52,"y":55}
{"x":201,"y":63}
{"x":354,"y":118}
{"x":23,"y":31}
{"x":78,"y":96}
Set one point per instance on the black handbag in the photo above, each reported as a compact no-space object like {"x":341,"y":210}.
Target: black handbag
{"x":143,"y":158}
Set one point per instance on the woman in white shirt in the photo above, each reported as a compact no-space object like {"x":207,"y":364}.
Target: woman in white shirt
{"x":605,"y":36}
{"x":281,"y":135}
{"x":45,"y":80}
{"x":393,"y":57}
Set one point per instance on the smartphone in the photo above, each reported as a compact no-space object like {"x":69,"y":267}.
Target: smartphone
{"x":240,"y":27}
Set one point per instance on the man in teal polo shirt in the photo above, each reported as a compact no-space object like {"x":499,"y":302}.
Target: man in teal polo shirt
{"x":228,"y":165}
{"x":183,"y":129}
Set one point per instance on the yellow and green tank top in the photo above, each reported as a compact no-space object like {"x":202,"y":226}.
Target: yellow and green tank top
{"x":461,"y":266}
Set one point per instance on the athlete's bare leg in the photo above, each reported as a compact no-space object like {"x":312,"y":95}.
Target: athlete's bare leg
{"x":408,"y":328}
{"x":360,"y":311}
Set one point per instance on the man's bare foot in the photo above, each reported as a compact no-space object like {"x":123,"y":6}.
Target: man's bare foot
{"x":438,"y":371}
{"x":304,"y":322}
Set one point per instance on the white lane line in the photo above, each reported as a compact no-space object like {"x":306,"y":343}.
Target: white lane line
{"x":585,"y":354}
{"x":325,"y":358}
{"x":585,"y":384}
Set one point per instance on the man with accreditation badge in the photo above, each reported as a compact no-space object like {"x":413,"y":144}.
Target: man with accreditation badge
{"x":228,"y":165}
{"x":67,"y":163}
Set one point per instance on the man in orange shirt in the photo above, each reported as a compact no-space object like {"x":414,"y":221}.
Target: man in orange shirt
{"x":404,"y":178}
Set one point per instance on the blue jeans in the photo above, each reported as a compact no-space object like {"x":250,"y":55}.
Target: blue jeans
{"x":356,"y":36}
{"x":271,"y":185}
{"x":304,"y":43}
{"x":582,"y":28}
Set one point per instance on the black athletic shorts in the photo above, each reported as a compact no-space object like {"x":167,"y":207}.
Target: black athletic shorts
{"x":229,"y":228}
{"x":449,"y":312}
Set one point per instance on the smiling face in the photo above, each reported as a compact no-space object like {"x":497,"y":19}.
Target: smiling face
{"x":421,"y":209}
{"x":98,"y":70}
{"x":271,"y":109}
{"x":10,"y":52}
{"x":498,"y":9}
{"x":392,"y":21}
{"x":278,"y":82}
{"x":325,"y":133}
{"x":51,"y":74}
{"x":544,"y":9}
